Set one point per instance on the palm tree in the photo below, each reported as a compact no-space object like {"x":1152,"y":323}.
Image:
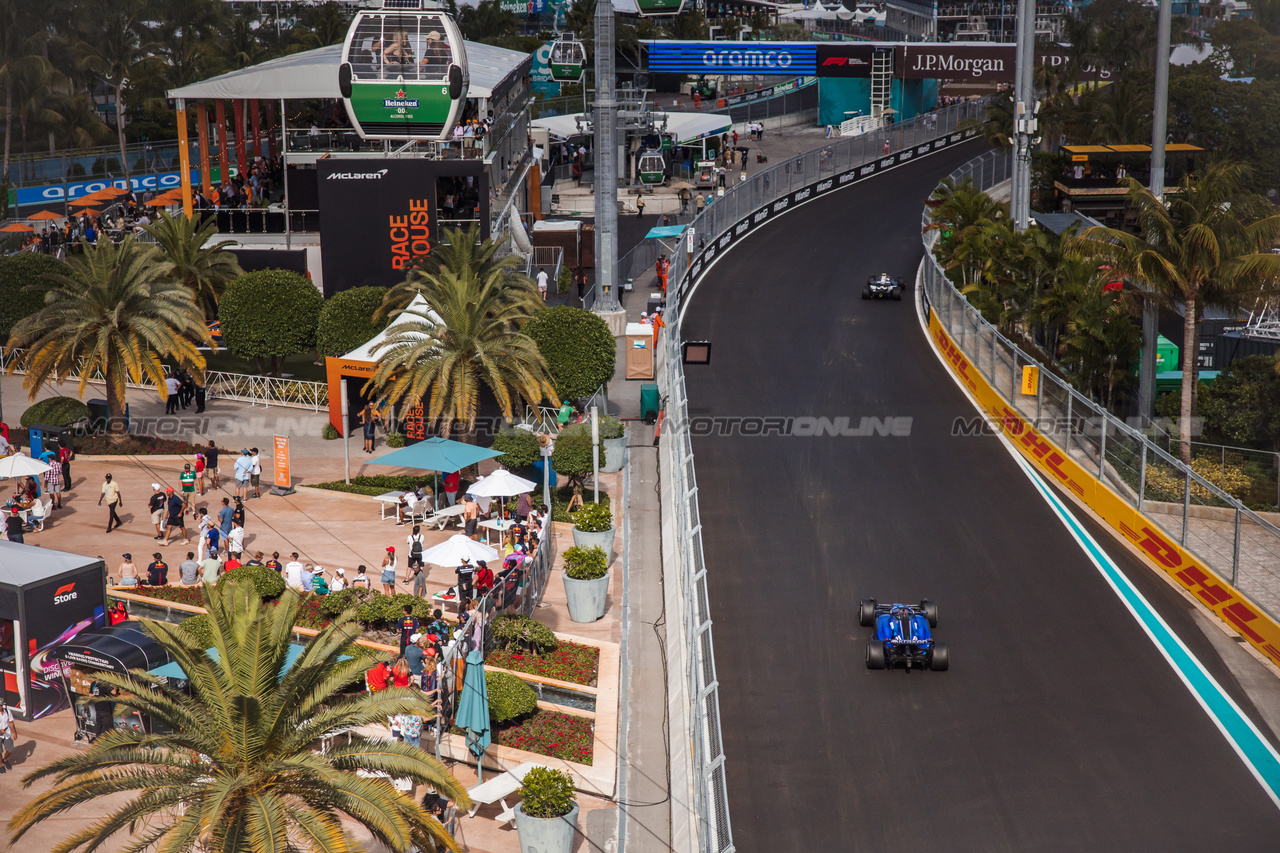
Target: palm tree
{"x":460,"y":251}
{"x":996,"y":125}
{"x":238,"y":770}
{"x":1209,"y":242}
{"x":477,"y":342}
{"x":115,"y":311}
{"x":20,"y":40}
{"x":114,"y":48}
{"x":203,"y":269}
{"x":1099,"y":342}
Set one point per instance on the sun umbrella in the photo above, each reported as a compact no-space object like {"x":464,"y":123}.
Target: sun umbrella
{"x":682,"y":185}
{"x":90,"y":211}
{"x":451,"y":551}
{"x":501,"y":484}
{"x":112,"y":192}
{"x":45,"y":214}
{"x":21,"y":466}
{"x":473,"y":710}
{"x":437,"y":454}
{"x":87,"y":201}
{"x":17,"y":228}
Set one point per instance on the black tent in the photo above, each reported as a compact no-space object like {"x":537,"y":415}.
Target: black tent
{"x":119,"y":648}
{"x":47,"y":598}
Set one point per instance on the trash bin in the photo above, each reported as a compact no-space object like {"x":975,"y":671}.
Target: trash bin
{"x":98,"y":415}
{"x":649,"y":402}
{"x":44,"y":437}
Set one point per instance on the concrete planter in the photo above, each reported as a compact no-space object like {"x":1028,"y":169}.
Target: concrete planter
{"x":615,"y":451}
{"x":586,"y":599}
{"x":546,"y":834}
{"x":603,"y":539}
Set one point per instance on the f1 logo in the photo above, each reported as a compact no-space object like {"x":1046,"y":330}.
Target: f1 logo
{"x":66,"y":593}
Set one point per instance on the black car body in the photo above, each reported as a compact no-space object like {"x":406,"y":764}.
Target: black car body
{"x":883,"y":286}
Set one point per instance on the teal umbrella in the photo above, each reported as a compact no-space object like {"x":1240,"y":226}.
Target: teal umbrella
{"x":437,"y":454}
{"x":473,"y":710}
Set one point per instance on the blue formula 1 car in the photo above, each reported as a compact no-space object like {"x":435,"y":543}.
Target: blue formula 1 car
{"x":903,"y":635}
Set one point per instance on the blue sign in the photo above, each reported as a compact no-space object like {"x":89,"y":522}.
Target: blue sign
{"x":53,"y":193}
{"x":540,"y":72}
{"x":721,"y":57}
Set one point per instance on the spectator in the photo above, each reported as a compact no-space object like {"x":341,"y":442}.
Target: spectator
{"x":452,"y":481}
{"x":408,"y":627}
{"x":211,"y":568}
{"x":158,"y":571}
{"x":188,"y":481}
{"x":274,"y":563}
{"x":127,"y":570}
{"x":389,"y":573}
{"x":400,"y":674}
{"x":13,"y":526}
{"x":255,"y":560}
{"x":111,"y":494}
{"x":117,"y":614}
{"x":255,"y":472}
{"x":177,"y":519}
{"x":189,"y":570}
{"x":308,"y":578}
{"x":361,"y":580}
{"x":484,"y":577}
{"x":415,"y":655}
{"x":244,"y":471}
{"x":224,"y":517}
{"x":318,"y":584}
{"x":200,"y":473}
{"x":465,"y":574}
{"x":339,"y":580}
{"x":211,"y":464}
{"x":293,"y":572}
{"x":155,"y":504}
{"x":378,"y":677}
{"x":233,"y":562}
{"x":235,"y":539}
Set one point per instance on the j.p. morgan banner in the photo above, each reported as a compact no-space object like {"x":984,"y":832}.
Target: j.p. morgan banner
{"x":989,"y":63}
{"x":379,"y":217}
{"x":760,"y":216}
{"x":994,"y":63}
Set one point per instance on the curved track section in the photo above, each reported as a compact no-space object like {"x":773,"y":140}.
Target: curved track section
{"x":1059,"y":725}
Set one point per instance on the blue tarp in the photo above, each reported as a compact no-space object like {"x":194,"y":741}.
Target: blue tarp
{"x":665,"y":231}
{"x":437,"y":454}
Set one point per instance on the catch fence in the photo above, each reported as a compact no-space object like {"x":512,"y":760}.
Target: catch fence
{"x":1238,"y":543}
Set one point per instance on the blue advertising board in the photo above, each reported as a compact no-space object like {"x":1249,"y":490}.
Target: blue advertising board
{"x":721,"y":57}
{"x":55,"y":193}
{"x":540,"y":72}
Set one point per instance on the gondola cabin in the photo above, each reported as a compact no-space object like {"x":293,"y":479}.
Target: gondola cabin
{"x":404,"y":72}
{"x":660,"y":7}
{"x":568,"y":59}
{"x":651,"y":168}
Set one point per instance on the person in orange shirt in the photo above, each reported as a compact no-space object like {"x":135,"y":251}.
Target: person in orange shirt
{"x":657,"y":324}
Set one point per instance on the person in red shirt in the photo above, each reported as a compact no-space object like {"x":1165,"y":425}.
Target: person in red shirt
{"x":484,"y":577}
{"x":378,"y":677}
{"x":117,"y":614}
{"x":451,"y":483}
{"x":231,"y":563}
{"x":400,"y":675}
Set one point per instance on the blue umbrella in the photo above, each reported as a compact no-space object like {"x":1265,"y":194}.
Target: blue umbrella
{"x":437,"y":454}
{"x":473,"y":710}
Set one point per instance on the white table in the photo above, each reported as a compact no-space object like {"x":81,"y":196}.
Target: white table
{"x":442,"y":518}
{"x":499,"y":526}
{"x":391,"y":498}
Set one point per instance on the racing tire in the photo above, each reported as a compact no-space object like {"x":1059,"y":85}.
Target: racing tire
{"x":939,"y":660}
{"x":897,"y":295}
{"x":866,"y":293}
{"x":875,"y":654}
{"x":866,"y":612}
{"x":930,"y":609}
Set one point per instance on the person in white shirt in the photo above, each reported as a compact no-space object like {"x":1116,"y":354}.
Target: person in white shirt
{"x":171,"y":402}
{"x":8,"y":733}
{"x":235,"y":539}
{"x":293,"y":572}
{"x":542,"y":284}
{"x":339,"y":582}
{"x":255,"y":473}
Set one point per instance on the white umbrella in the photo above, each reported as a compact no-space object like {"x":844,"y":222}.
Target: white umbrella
{"x":451,"y":551}
{"x":501,"y":484}
{"x":21,"y":466}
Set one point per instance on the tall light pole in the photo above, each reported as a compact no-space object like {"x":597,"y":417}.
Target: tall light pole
{"x":1024,"y":122}
{"x":1159,"y":129}
{"x":606,"y":170}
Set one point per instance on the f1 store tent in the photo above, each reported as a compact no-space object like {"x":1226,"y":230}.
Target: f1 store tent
{"x":47,"y":598}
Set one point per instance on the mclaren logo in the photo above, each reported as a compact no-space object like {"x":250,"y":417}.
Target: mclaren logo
{"x":63,"y":594}
{"x":357,"y":176}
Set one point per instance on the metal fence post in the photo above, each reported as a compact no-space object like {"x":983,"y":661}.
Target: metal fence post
{"x":1102,"y":449}
{"x":1186,"y":504}
{"x":1142,"y":479}
{"x":1235,"y":549}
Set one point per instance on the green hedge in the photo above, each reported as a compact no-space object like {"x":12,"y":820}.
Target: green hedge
{"x":198,"y":627}
{"x":578,"y":347}
{"x":268,"y":583}
{"x":17,"y":272}
{"x":522,"y":634}
{"x":380,"y":484}
{"x":586,"y":564}
{"x":269,"y":313}
{"x":519,"y":447}
{"x":346,"y":320}
{"x":509,"y":697}
{"x":55,"y":411}
{"x":572,"y":456}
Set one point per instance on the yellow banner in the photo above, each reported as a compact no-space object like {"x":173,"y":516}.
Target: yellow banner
{"x":1218,"y":595}
{"x":1030,"y":380}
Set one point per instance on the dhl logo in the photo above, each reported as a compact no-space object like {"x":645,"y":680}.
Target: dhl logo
{"x":1050,"y":456}
{"x":956,"y":358}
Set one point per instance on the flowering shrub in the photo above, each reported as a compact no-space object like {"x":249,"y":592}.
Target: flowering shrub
{"x":550,"y":733}
{"x":134,"y":445}
{"x":179,"y":594}
{"x":567,"y":662}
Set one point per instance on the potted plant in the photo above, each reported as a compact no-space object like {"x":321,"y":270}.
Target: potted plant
{"x":547,"y":814}
{"x":593,"y":525}
{"x":613,"y":442}
{"x":586,"y":582}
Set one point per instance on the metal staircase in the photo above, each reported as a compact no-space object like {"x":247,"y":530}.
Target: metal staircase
{"x":881,"y":75}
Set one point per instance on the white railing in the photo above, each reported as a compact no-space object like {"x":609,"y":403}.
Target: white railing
{"x":243,"y":387}
{"x":859,"y":125}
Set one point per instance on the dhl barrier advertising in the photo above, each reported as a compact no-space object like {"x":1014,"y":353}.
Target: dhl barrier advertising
{"x":1218,"y":595}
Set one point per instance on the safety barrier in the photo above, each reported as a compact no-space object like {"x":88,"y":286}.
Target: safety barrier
{"x":1225,"y":554}
{"x":242,"y":387}
{"x":700,"y":818}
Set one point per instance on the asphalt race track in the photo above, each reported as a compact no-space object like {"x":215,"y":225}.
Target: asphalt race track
{"x":1059,"y":727}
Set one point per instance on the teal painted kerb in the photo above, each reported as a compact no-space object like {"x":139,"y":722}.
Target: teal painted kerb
{"x":1248,"y":742}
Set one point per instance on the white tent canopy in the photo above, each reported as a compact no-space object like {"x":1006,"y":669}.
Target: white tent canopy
{"x":412,"y":314}
{"x":686,"y":127}
{"x":313,"y":74}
